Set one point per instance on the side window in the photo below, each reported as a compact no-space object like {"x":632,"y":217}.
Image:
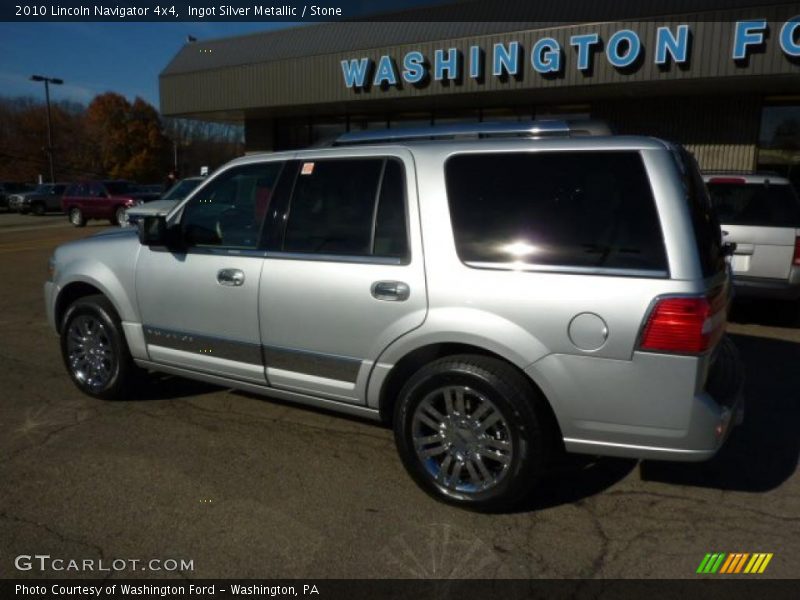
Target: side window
{"x":97,"y":190}
{"x":391,"y":234}
{"x":229,"y":211}
{"x":348,"y":207}
{"x":555,"y":209}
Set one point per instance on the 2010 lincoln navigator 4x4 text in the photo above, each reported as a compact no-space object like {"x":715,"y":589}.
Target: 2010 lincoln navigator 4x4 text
{"x":495,"y":292}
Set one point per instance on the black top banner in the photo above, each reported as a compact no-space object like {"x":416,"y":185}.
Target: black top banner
{"x":545,"y":11}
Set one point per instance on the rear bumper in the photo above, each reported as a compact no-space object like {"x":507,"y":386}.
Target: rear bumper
{"x":661,"y":407}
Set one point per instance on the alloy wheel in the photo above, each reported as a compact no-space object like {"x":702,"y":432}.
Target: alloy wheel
{"x":90,"y":352}
{"x":462,"y":439}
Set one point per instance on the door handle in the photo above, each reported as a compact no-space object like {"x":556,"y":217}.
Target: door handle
{"x":233,"y":277}
{"x":392,"y":291}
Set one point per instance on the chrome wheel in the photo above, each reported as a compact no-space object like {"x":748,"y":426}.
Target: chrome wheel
{"x":462,"y":439}
{"x":122,"y":217}
{"x":75,"y":217}
{"x":90,"y":352}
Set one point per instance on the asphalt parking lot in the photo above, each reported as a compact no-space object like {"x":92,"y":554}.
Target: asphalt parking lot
{"x":245,"y":486}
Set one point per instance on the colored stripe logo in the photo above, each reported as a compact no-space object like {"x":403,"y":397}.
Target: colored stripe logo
{"x":733,"y":563}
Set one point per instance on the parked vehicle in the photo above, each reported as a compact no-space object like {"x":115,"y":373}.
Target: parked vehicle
{"x":182,"y":188}
{"x":162,"y":206}
{"x":7,"y":188}
{"x":497,"y":295}
{"x":45,"y":198}
{"x":760,"y":213}
{"x":99,"y":200}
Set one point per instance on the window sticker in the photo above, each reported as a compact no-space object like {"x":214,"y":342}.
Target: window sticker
{"x":308,"y":168}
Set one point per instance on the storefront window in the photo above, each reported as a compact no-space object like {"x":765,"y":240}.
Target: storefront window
{"x":779,"y":141}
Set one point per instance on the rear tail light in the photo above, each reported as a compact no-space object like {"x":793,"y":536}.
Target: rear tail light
{"x":685,"y":324}
{"x":796,"y":257}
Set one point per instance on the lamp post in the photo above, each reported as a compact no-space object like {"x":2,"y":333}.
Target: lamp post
{"x":47,"y":81}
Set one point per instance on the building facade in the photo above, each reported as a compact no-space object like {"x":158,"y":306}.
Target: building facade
{"x":725,"y":82}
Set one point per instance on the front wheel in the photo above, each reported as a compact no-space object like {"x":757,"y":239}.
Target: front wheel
{"x":76,"y":217}
{"x":94,"y":349}
{"x":473,"y":432}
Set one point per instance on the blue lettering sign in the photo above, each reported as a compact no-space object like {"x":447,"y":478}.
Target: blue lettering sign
{"x":449,"y":64}
{"x":748,"y":33}
{"x":615,"y":57}
{"x":788,"y":43}
{"x":546,"y":56}
{"x":413,"y":69}
{"x":385,"y":72}
{"x":475,"y":62}
{"x":505,"y":59}
{"x":678,"y":47}
{"x":583,"y":43}
{"x":355,"y":71}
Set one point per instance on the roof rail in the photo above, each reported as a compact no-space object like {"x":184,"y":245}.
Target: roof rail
{"x":532,"y":129}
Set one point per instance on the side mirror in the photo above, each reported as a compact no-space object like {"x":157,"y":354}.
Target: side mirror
{"x":154,"y":231}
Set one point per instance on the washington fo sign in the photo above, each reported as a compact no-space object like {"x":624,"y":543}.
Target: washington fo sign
{"x":547,"y":57}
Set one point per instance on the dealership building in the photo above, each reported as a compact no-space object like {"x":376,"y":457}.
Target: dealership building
{"x":723,"y":79}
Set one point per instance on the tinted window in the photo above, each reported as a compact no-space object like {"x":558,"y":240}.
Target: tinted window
{"x":587,"y":209}
{"x":229,"y":211}
{"x":332,"y":207}
{"x":79,"y":189}
{"x":707,"y":233}
{"x":115,"y":188}
{"x":59,"y":189}
{"x":755,"y":204}
{"x":391,"y":237}
{"x":181,"y":189}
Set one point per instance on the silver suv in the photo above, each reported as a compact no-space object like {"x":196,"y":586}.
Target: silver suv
{"x":760,"y":213}
{"x":496,"y":292}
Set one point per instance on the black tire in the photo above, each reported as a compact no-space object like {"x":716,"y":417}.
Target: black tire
{"x":38,"y":209}
{"x":76,"y":217}
{"x":119,"y":217}
{"x":526,"y":426}
{"x":121,"y":371}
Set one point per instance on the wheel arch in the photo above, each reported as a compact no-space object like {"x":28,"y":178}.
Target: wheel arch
{"x":415,"y":359}
{"x":77,"y":289}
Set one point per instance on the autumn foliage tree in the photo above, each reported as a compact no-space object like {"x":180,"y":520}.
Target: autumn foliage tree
{"x":130,"y":143}
{"x":111,"y":138}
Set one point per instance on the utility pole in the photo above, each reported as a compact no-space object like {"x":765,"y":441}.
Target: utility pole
{"x":47,"y":81}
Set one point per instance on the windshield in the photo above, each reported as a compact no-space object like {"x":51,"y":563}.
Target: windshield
{"x":763,"y":204}
{"x":43,"y":188}
{"x":181,"y":189}
{"x":115,"y":188}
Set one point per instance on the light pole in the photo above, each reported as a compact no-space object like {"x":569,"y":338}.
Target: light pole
{"x":47,"y":82}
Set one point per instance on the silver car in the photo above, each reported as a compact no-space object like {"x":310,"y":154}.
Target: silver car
{"x":498,"y":293}
{"x":760,"y":213}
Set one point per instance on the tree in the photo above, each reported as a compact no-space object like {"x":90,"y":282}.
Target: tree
{"x":129,"y":139}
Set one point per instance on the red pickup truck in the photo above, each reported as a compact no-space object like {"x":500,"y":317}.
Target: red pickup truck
{"x":99,"y":200}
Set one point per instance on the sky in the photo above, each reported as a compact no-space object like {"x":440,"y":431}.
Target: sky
{"x":93,"y":58}
{"x":124,"y":57}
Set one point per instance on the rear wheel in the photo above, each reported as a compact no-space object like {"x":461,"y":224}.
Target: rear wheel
{"x":76,"y":217}
{"x":473,"y":432}
{"x":94,"y":349}
{"x":120,"y":218}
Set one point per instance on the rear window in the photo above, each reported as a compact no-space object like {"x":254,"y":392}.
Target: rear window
{"x":761,"y":204}
{"x":556,"y":209}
